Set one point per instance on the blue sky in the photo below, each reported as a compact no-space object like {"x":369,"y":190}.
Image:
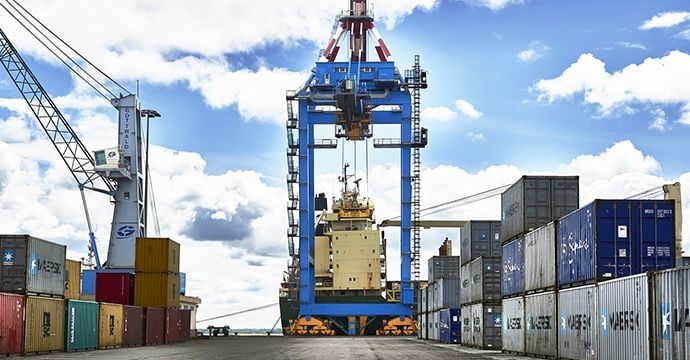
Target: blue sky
{"x":534,"y":86}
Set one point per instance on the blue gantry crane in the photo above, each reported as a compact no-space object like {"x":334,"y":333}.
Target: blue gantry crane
{"x":353,"y":94}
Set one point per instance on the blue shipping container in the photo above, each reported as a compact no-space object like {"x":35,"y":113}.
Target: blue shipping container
{"x":88,"y":282}
{"x":513,"y":268}
{"x":183,"y":283}
{"x":614,"y":238}
{"x":449,"y":324}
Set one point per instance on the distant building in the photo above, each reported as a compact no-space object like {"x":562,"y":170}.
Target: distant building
{"x":190,"y":302}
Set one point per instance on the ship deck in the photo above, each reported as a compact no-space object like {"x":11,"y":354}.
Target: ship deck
{"x":287,"y":348}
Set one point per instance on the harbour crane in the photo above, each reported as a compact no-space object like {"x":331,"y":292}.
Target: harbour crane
{"x":115,"y":172}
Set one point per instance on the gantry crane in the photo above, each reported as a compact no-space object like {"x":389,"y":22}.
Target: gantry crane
{"x":116,"y":172}
{"x":353,"y":94}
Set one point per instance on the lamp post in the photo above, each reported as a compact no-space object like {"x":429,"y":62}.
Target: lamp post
{"x":149,"y":113}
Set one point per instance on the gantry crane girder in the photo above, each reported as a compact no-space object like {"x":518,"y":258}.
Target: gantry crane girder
{"x":369,"y":86}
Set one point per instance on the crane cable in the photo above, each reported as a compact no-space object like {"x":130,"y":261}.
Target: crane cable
{"x":238,"y":312}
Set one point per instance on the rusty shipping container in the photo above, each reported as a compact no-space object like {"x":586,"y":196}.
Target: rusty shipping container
{"x":157,"y":290}
{"x":81,"y":325}
{"x":480,"y":238}
{"x":486,"y":326}
{"x":624,"y":326}
{"x":110,"y":325}
{"x":485,"y":280}
{"x":155,"y":326}
{"x":72,"y":279}
{"x":44,"y":327}
{"x":32,"y":266}
{"x":157,"y":255}
{"x":534,"y":201}
{"x":11,"y":324}
{"x":173,"y":325}
{"x":540,"y":258}
{"x":513,"y":335}
{"x":541,"y":337}
{"x":115,"y":287}
{"x":579,"y":323}
{"x":134,"y":324}
{"x":671,"y":314}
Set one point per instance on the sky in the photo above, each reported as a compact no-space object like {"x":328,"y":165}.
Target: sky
{"x":592,"y":88}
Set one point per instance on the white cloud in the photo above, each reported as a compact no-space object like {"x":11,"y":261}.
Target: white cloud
{"x":475,"y":136}
{"x":659,"y":81}
{"x":14,"y":129}
{"x":467,"y":109}
{"x":685,"y":34}
{"x":494,"y":4}
{"x":666,"y":19}
{"x":438,"y":113}
{"x":535,"y":51}
{"x":391,"y":12}
{"x":631,"y":45}
{"x":660,"y":123}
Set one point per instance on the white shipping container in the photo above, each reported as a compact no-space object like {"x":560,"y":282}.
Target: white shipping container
{"x":446,"y":294}
{"x":435,"y":329}
{"x":422,"y":304}
{"x":465,"y":284}
{"x":579,"y":323}
{"x":541,"y":337}
{"x":671,"y":317}
{"x":466,"y":325}
{"x":540,"y":258}
{"x":624,"y":326}
{"x":513,"y":334}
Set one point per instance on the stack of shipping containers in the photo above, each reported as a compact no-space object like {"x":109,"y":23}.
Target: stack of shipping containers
{"x":157,"y":285}
{"x":480,"y":294}
{"x":529,"y":209}
{"x":423,"y":313}
{"x":443,"y":293}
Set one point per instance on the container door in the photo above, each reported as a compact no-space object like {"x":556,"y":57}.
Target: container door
{"x":656,"y":229}
{"x":615,"y":230}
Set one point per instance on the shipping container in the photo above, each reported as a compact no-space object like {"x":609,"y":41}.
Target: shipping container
{"x":513,"y":335}
{"x":465,"y":284}
{"x":485,"y":276}
{"x":32,"y":266}
{"x":183,"y":283}
{"x":155,"y":326}
{"x":157,"y":255}
{"x":540,"y":258}
{"x":624,"y":326}
{"x":81,"y":325}
{"x":115,"y":287}
{"x":579,"y":328}
{"x":173,"y":324}
{"x":186,"y":321}
{"x":480,"y":238}
{"x":534,"y":201}
{"x":425,"y":326}
{"x":449,"y":326}
{"x":671,"y":319}
{"x":88,"y":283}
{"x":541,"y":336}
{"x":614,"y":238}
{"x":513,"y":268}
{"x":11,"y":324}
{"x":44,"y":327}
{"x":72,"y":279}
{"x":422,"y":303}
{"x":420,"y":324}
{"x":446,"y":294}
{"x":466,"y":325}
{"x":110,"y":326}
{"x":134,"y":324}
{"x":157,"y":290}
{"x":443,"y":266}
{"x":433,"y":326}
{"x":486,"y":326}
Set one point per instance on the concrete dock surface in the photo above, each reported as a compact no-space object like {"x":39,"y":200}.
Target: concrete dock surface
{"x":293,"y":348}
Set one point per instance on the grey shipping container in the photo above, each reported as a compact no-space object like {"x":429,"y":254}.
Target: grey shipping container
{"x":534,"y":201}
{"x":671,"y":319}
{"x":32,"y":266}
{"x":466,"y":325}
{"x":446,"y":294}
{"x":465,"y":284}
{"x":443,"y":266}
{"x":480,"y":238}
{"x":513,"y":314}
{"x":485,"y":275}
{"x":541,"y":336}
{"x":579,"y":323}
{"x":422,"y":300}
{"x":624,"y":326}
{"x":420,"y":325}
{"x":540,"y":258}
{"x":486,"y":326}
{"x":434,"y":331}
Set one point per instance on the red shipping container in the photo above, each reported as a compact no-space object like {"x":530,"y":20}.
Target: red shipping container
{"x":185,"y":323}
{"x":172,"y":325}
{"x":11,"y":324}
{"x":155,"y":325}
{"x":115,"y":288}
{"x":134,"y":324}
